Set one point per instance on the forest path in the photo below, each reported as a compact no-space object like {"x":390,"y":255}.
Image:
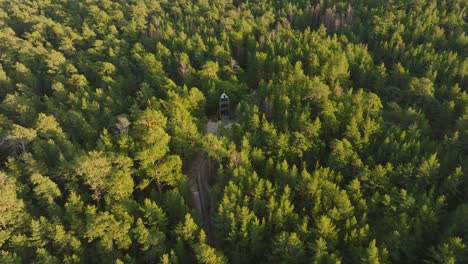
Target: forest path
{"x":199,"y":172}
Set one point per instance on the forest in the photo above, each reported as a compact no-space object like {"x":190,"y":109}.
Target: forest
{"x":346,"y":139}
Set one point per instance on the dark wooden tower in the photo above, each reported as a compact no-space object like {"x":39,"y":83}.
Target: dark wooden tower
{"x":224,"y":110}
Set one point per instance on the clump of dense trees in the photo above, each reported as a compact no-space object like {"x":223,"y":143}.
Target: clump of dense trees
{"x":350,"y":140}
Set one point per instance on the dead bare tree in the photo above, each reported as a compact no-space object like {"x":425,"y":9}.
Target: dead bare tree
{"x":18,"y":138}
{"x":183,"y":69}
{"x":235,"y":158}
{"x":122,"y":125}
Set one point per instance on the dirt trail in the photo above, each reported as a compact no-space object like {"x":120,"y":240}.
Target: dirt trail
{"x":212,"y":127}
{"x":198,"y":172}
